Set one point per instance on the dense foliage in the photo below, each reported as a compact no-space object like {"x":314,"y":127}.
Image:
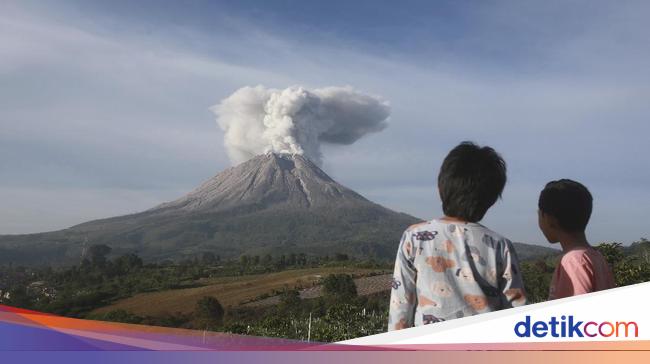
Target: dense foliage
{"x":630,"y":265}
{"x":208,"y":313}
{"x":338,"y":314}
{"x":339,"y":287}
{"x":97,"y":281}
{"x":628,"y":268}
{"x":321,"y":319}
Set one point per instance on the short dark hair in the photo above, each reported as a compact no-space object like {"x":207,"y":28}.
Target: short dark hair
{"x":470,"y":181}
{"x":569,"y":202}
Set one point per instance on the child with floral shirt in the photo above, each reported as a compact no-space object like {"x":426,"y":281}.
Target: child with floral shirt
{"x":454,"y":267}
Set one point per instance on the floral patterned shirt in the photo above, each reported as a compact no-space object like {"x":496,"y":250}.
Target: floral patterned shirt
{"x":447,"y":270}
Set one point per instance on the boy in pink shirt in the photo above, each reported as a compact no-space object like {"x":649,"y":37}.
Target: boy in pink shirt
{"x":564,"y":211}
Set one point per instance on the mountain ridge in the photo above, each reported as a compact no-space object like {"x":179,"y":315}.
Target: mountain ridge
{"x":269,"y":204}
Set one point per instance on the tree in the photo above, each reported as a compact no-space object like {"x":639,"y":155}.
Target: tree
{"x":98,"y":253}
{"x":302,"y":259}
{"x":613,"y":252}
{"x":208,"y":313}
{"x":341,"y":257}
{"x":627,"y":270}
{"x":537,"y":279}
{"x":281,"y":262}
{"x":208,"y":258}
{"x":121,"y":316}
{"x":339,"y":287}
{"x":290,"y":299}
{"x":127,"y":263}
{"x":643,"y":250}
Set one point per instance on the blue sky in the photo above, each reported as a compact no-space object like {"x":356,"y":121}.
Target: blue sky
{"x":104,"y":106}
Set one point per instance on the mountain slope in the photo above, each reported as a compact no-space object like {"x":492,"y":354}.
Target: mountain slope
{"x":271,"y":204}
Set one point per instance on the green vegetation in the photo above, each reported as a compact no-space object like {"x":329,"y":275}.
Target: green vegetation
{"x":338,"y":314}
{"x":339,"y":287}
{"x":331,"y":320}
{"x":76,"y":291}
{"x":209,"y":313}
{"x":537,"y":278}
{"x":630,"y":265}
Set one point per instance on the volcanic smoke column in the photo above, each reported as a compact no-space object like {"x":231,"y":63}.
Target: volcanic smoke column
{"x":257,"y":120}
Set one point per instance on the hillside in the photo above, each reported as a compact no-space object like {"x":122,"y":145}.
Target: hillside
{"x":268,"y":204}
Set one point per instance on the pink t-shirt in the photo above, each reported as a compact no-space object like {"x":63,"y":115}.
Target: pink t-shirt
{"x":581,"y":270}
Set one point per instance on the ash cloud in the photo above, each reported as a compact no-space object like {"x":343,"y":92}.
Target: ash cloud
{"x":258,"y":120}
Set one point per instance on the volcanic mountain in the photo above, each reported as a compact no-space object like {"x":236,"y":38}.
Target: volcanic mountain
{"x":270,"y":204}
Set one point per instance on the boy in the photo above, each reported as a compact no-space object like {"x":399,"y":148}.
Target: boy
{"x":564,"y":211}
{"x":453,"y":266}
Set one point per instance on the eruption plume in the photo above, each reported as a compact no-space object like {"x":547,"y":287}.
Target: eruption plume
{"x":258,"y":120}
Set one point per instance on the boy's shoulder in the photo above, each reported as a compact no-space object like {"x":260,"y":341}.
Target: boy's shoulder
{"x":425,"y":230}
{"x":418,"y":226}
{"x":434,"y":229}
{"x":433,"y":225}
{"x":450,"y":227}
{"x":588,"y":256}
{"x":495,"y":240}
{"x":495,"y":235}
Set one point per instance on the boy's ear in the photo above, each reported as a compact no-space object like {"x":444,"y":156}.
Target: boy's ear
{"x":551,"y":221}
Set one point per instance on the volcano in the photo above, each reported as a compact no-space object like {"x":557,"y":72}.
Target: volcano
{"x":270,"y":204}
{"x":270,"y":181}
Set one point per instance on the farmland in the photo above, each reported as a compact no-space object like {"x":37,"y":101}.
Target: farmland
{"x":284,"y":296}
{"x":367,"y":285}
{"x":240,"y":290}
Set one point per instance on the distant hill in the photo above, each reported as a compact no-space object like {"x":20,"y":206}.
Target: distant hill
{"x":639,"y":248}
{"x":530,"y":251}
{"x":271,"y":204}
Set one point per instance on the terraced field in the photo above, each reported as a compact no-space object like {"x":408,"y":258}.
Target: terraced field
{"x":365,"y":286}
{"x":235,"y":291}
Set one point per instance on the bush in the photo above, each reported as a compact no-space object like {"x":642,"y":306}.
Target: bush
{"x":627,"y":269}
{"x":339,"y":287}
{"x":290,"y":299}
{"x":208,"y":313}
{"x":537,"y":279}
{"x":120,"y":316}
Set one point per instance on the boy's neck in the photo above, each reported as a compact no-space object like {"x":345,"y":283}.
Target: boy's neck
{"x":572,"y":241}
{"x":453,"y":219}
